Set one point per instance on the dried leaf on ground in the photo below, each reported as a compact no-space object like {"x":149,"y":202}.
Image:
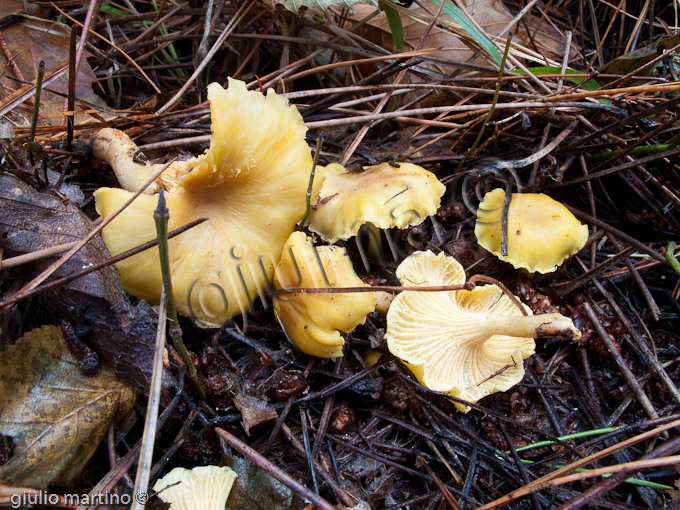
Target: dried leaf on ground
{"x":28,"y":39}
{"x":253,"y":410}
{"x":122,"y":334}
{"x":55,"y":415}
{"x":629,"y":62}
{"x":491,"y":15}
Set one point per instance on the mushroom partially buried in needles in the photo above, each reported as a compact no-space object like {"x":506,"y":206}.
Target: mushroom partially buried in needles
{"x":467,"y":343}
{"x":382,"y":195}
{"x":542,"y":233}
{"x":313,"y":321}
{"x":200,"y":488}
{"x":250,"y":184}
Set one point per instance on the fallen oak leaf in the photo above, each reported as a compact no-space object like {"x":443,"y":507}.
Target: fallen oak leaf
{"x":122,"y":334}
{"x":55,"y":415}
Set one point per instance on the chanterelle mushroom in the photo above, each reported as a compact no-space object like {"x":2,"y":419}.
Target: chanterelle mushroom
{"x":251,"y":184}
{"x":313,"y":321}
{"x":200,"y":488}
{"x":542,"y":233}
{"x":384,"y":195}
{"x":465,"y":343}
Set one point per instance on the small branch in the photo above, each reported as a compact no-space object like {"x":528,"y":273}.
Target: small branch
{"x":373,"y":288}
{"x":95,"y":267}
{"x":273,"y":470}
{"x":160,"y":216}
{"x":151,"y":420}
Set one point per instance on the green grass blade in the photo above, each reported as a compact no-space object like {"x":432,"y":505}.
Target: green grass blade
{"x":396,"y":27}
{"x":457,"y":15}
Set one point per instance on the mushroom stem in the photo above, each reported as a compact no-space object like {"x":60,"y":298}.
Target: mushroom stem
{"x":530,"y":326}
{"x":118,"y":150}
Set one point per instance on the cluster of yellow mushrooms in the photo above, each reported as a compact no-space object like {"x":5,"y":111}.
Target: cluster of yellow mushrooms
{"x":251,"y":184}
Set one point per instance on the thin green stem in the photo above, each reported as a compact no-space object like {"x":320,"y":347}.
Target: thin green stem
{"x":36,"y":101}
{"x":632,"y":481}
{"x":32,"y":146}
{"x":567,"y":437}
{"x":310,"y":186}
{"x":670,"y":256}
{"x":161,"y":216}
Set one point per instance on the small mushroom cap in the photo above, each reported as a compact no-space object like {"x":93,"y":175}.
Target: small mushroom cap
{"x":542,"y":233}
{"x":251,"y":186}
{"x":313,"y":321}
{"x":468,"y":344}
{"x":200,"y":488}
{"x":383,"y":195}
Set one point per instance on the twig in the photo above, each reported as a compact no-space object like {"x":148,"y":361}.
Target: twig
{"x":632,"y":381}
{"x":364,"y":129}
{"x":95,"y":267}
{"x":273,"y":470}
{"x":35,"y":255}
{"x":242,"y":10}
{"x":458,"y":109}
{"x":373,"y":288}
{"x":160,"y":216}
{"x":618,"y":233}
{"x":111,"y":43}
{"x":151,"y":420}
{"x":541,"y":482}
{"x":620,"y":473}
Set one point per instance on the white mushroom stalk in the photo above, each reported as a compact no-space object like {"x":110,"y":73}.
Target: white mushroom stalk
{"x":467,"y":343}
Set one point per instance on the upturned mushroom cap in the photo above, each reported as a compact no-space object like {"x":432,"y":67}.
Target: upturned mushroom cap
{"x":383,"y":195}
{"x":313,"y":321}
{"x":542,"y":233}
{"x":468,"y":344}
{"x":200,"y":488}
{"x":251,"y":186}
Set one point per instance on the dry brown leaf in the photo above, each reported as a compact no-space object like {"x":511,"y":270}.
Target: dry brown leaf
{"x":27,"y":40}
{"x":491,"y":15}
{"x":122,"y":334}
{"x":55,"y":415}
{"x":253,"y":411}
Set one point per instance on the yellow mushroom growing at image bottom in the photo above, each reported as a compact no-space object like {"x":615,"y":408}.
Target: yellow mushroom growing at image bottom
{"x":467,"y":343}
{"x":313,"y":321}
{"x":542,"y":233}
{"x":200,"y":488}
{"x":383,"y":195}
{"x":250,"y":184}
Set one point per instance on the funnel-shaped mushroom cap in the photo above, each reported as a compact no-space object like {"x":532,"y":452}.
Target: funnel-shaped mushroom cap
{"x":251,"y":186}
{"x":200,"y":488}
{"x":542,"y":233}
{"x":383,"y":195}
{"x":465,"y":343}
{"x":312,"y":321}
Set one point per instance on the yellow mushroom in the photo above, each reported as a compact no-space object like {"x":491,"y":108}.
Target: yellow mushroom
{"x":542,"y":233}
{"x":251,"y":186}
{"x":468,"y":344}
{"x":200,"y":488}
{"x":312,"y":321}
{"x":383,"y":195}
